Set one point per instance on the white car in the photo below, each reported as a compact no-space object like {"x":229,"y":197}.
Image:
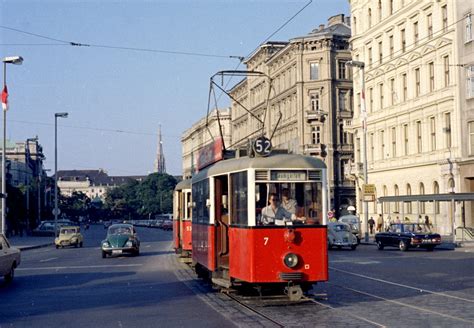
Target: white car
{"x":340,"y":235}
{"x":354,"y":222}
{"x":10,"y":258}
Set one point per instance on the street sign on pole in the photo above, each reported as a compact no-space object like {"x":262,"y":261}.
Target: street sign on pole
{"x":368,"y":192}
{"x":56,"y":211}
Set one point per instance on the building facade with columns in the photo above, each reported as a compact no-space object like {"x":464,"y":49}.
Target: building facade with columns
{"x":419,"y":98}
{"x":302,"y":99}
{"x":202,"y":133}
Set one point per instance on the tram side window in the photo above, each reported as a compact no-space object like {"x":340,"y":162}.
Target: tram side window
{"x":201,"y":195}
{"x":239,"y":198}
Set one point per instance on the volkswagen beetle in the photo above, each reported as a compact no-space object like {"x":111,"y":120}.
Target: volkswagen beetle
{"x":340,"y":235}
{"x":121,"y":238}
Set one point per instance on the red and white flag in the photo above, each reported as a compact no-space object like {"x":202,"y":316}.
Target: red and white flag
{"x":5,"y":98}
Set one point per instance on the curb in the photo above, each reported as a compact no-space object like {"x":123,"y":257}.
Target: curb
{"x":26,"y":248}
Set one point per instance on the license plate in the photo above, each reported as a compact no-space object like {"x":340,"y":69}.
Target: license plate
{"x":117,"y":251}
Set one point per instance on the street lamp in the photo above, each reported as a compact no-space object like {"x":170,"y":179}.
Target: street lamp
{"x":56,"y":210}
{"x":361,"y":66}
{"x":15,"y":60}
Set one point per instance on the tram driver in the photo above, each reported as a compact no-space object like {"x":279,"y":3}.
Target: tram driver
{"x":276,"y":214}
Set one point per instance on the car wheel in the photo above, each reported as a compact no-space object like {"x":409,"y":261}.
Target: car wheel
{"x":76,"y":245}
{"x":358,"y":240}
{"x":80,"y":244}
{"x":380,"y":245}
{"x":104,"y":254}
{"x":10,"y":275}
{"x":403,"y":246}
{"x":57,"y":246}
{"x":137,"y":252}
{"x":353,"y":247}
{"x":339,"y":247}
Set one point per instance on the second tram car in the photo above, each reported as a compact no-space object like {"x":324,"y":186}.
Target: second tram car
{"x":237,"y":236}
{"x":182,"y":219}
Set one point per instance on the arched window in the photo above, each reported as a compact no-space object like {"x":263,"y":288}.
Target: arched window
{"x":396,"y":193}
{"x":422,"y":192}
{"x":354,"y":26}
{"x":409,"y":209}
{"x":379,"y":8}
{"x":436,"y":191}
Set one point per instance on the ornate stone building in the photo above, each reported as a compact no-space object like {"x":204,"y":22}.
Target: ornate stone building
{"x":198,"y":136}
{"x":302,"y":100}
{"x":418,"y":57}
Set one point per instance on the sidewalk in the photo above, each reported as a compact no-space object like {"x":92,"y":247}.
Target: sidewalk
{"x":30,"y":242}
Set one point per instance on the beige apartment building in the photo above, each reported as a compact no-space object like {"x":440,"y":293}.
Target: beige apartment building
{"x":419,"y":96}
{"x":302,"y":99}
{"x":202,"y":133}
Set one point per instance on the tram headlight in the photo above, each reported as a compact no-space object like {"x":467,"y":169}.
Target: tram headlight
{"x":291,"y":260}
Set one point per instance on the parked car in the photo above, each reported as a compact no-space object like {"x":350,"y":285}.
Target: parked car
{"x":46,"y":228}
{"x":354,"y":222}
{"x":340,"y":235}
{"x":121,"y":238}
{"x":69,"y":236}
{"x":167,"y":225}
{"x":10,"y":258}
{"x":408,"y":235}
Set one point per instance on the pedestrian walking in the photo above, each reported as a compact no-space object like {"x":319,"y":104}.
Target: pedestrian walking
{"x":371,"y":225}
{"x":427,"y":222}
{"x":379,"y":223}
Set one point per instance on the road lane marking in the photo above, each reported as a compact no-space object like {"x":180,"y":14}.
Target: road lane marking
{"x":403,"y":304}
{"x":82,"y":267}
{"x":50,"y":259}
{"x":402,"y":285}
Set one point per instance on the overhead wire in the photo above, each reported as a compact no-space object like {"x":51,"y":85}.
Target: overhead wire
{"x":105,"y":46}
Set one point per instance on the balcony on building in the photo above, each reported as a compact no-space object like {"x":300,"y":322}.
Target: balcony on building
{"x":315,"y":116}
{"x":345,"y":114}
{"x":345,"y":148}
{"x":314,"y":149}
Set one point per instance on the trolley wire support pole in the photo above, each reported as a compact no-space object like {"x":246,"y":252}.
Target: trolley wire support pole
{"x":363,"y":112}
{"x":56,"y":210}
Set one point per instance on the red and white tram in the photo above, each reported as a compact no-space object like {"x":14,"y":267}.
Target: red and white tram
{"x":231,"y":242}
{"x":182,"y":227}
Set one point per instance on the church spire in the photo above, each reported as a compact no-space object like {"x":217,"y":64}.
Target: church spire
{"x":160,"y":156}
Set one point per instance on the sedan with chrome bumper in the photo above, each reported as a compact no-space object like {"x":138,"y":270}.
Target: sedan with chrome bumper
{"x":121,"y":239}
{"x":408,"y":235}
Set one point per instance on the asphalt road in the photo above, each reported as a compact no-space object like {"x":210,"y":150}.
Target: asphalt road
{"x":75,"y":287}
{"x":367,"y":288}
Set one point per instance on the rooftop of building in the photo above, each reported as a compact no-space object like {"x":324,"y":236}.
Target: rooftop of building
{"x":96,"y":177}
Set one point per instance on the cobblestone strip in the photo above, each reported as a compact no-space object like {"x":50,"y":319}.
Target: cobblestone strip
{"x":234,"y":312}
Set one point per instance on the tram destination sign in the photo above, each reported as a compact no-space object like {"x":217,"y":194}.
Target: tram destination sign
{"x":288,"y":175}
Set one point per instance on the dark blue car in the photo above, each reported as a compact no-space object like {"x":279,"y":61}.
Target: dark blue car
{"x":408,"y":235}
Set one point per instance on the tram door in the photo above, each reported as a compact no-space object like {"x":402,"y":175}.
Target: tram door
{"x":222,"y":221}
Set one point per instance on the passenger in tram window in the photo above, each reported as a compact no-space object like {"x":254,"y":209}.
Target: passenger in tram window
{"x":276,"y":214}
{"x":287,"y":203}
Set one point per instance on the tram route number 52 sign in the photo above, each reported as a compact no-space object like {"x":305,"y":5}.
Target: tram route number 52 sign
{"x":262,"y":146}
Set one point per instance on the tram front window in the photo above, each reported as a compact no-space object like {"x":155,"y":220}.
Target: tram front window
{"x":289,"y":203}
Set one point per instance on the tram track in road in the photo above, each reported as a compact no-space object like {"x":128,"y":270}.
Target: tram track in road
{"x":424,"y":302}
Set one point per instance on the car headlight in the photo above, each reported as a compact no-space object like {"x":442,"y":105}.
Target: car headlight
{"x":129,"y":243}
{"x":105,"y":244}
{"x":291,"y":260}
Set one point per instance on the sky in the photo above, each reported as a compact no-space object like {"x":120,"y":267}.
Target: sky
{"x":117,"y":98}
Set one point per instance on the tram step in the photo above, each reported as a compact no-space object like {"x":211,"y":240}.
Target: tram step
{"x":222,"y":282}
